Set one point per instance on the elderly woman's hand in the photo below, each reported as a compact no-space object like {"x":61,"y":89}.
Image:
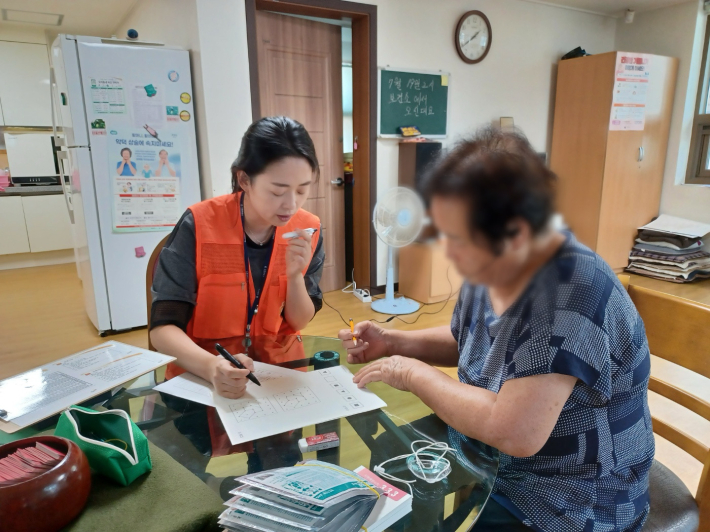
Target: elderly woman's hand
{"x":397,"y":371}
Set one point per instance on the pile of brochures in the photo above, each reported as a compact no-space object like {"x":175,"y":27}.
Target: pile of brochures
{"x":309,"y":497}
{"x":28,"y":462}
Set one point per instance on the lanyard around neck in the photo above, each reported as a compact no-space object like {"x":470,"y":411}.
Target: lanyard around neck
{"x":253,"y":307}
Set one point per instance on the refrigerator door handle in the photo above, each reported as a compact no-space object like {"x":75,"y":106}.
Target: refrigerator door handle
{"x":61,"y":155}
{"x":66,"y":181}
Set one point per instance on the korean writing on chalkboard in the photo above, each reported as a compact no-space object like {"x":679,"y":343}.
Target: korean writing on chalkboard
{"x":414,"y":97}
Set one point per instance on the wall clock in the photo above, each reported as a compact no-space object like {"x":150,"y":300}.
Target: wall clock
{"x":473,"y":37}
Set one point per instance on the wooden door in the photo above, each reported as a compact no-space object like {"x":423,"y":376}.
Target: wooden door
{"x":300,"y":76}
{"x":634,"y":167}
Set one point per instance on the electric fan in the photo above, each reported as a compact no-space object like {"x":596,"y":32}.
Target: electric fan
{"x":398,"y":219}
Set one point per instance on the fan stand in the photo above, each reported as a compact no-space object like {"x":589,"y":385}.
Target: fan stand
{"x":391,"y":304}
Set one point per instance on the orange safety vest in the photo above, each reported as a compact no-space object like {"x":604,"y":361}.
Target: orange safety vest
{"x":221,"y":307}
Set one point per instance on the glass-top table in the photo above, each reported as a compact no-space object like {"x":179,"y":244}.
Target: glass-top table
{"x":193,"y":435}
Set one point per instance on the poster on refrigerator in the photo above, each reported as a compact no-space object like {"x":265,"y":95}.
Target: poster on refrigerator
{"x":145,"y":169}
{"x":628,"y":106}
{"x":148,"y":106}
{"x":107,"y":96}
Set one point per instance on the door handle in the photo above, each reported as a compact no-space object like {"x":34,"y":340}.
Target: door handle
{"x":641,"y":154}
{"x":338,"y":182}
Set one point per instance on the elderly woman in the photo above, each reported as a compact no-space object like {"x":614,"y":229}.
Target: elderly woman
{"x":552,"y":357}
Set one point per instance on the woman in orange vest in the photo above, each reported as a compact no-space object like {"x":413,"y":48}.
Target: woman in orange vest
{"x":227,"y":271}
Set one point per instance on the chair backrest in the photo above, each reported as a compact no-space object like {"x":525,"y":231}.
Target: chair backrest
{"x":149,"y":273}
{"x":678,"y":330}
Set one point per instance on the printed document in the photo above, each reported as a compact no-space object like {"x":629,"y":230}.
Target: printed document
{"x":41,"y":392}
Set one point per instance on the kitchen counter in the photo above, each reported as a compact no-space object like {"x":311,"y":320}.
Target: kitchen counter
{"x":32,"y":190}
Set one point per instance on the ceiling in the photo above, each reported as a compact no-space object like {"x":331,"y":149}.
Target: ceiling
{"x":82,"y":17}
{"x":610,"y":7}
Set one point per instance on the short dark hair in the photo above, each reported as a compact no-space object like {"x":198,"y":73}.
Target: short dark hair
{"x":128,"y":150}
{"x":501,"y":177}
{"x":269,"y":140}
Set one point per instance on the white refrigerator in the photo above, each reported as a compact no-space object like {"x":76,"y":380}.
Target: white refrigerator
{"x":125,"y":120}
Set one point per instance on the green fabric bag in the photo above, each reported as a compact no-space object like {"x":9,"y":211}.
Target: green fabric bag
{"x":114,"y":445}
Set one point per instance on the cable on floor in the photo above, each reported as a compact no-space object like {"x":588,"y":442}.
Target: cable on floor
{"x":444,"y":303}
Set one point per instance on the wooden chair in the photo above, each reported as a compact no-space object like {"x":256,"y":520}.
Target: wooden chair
{"x":149,"y":273}
{"x":678,"y":330}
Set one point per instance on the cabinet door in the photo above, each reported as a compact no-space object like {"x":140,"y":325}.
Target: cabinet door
{"x":13,"y":234}
{"x":48,"y":225}
{"x":634,"y":167}
{"x":24,"y":84}
{"x":579,"y":140}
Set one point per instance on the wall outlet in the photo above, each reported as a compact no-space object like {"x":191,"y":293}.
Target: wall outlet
{"x":362,"y":295}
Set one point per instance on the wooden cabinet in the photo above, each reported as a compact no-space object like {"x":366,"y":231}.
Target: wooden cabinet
{"x":13,"y":235}
{"x":47,"y":221}
{"x":609,"y":181}
{"x":24,"y":84}
{"x":425,"y":274}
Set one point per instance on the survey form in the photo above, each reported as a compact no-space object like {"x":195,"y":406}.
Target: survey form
{"x":193,"y":388}
{"x":294,"y":401}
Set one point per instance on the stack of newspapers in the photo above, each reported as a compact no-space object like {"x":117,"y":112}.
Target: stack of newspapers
{"x":313,"y":496}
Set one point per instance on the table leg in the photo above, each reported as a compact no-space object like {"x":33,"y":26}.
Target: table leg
{"x":428,"y":506}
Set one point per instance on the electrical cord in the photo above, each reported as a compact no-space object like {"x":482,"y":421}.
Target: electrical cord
{"x":444,"y":303}
{"x":336,"y":310}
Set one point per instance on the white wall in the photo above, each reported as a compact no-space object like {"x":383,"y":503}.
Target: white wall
{"x":10,"y":32}
{"x":676,"y":31}
{"x":515,"y":79}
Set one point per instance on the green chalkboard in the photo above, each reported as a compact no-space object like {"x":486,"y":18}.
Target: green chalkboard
{"x":413,"y":99}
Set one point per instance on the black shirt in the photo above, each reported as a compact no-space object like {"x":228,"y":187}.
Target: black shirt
{"x":175,"y":281}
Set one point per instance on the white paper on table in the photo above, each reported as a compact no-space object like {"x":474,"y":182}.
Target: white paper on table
{"x":193,"y":388}
{"x":678,"y":226}
{"x":37,"y":394}
{"x":188,"y":386}
{"x":294,"y":401}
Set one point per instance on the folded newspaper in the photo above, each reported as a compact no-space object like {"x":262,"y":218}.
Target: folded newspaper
{"x":312,"y":496}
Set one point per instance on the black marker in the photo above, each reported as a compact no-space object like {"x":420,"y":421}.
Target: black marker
{"x":226,"y":354}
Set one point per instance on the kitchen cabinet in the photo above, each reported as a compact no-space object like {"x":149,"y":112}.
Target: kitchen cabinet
{"x":47,"y":222}
{"x":24,"y":84}
{"x":33,"y":224}
{"x":13,"y":233}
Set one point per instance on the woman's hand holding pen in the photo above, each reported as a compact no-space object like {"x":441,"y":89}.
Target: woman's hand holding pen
{"x":370,"y":344}
{"x":298,"y":254}
{"x":228,"y":381}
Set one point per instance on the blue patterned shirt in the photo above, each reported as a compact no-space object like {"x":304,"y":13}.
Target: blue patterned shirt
{"x":575,"y":318}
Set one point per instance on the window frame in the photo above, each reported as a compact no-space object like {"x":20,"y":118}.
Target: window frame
{"x":697,"y":173}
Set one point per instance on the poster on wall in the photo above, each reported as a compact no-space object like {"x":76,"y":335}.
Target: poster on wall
{"x":631,"y":78}
{"x":145,"y":170}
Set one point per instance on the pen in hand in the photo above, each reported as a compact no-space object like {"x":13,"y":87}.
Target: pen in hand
{"x":226,"y":354}
{"x":352,"y":330}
